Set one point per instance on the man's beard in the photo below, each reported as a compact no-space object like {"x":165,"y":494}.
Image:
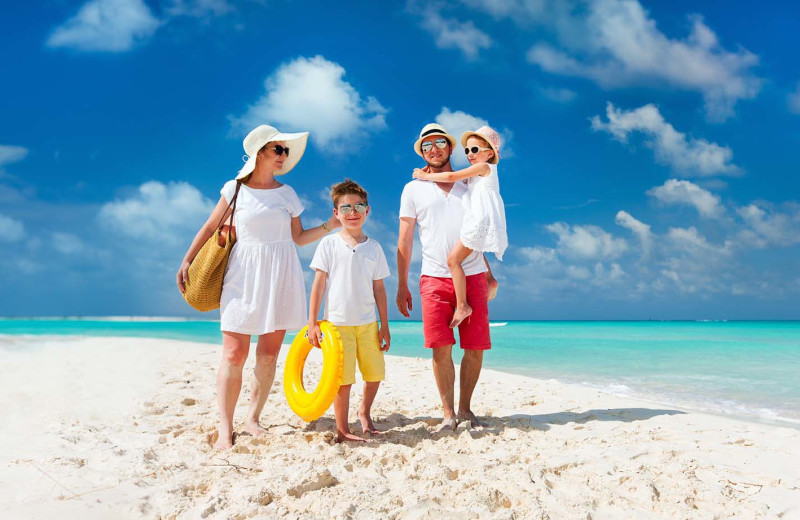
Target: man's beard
{"x":440,"y":163}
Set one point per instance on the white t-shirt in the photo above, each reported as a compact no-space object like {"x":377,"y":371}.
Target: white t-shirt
{"x":349,"y":298}
{"x":439,"y":217}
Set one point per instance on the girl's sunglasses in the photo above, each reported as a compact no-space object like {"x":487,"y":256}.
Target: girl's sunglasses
{"x":440,"y":143}
{"x":475,"y":149}
{"x":280,"y":150}
{"x":346,"y":209}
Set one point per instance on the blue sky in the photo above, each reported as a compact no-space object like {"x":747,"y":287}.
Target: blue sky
{"x":649,"y":166}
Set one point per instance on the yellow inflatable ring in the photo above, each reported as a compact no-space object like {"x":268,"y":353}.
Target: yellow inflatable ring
{"x":311,"y":406}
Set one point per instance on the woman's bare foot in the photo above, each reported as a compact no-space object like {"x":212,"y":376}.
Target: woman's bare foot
{"x":366,"y":424}
{"x":472,"y":418}
{"x":460,"y":315}
{"x":224,"y":442}
{"x":493,"y":284}
{"x":348,"y":437}
{"x":255,"y":429}
{"x":448,"y":424}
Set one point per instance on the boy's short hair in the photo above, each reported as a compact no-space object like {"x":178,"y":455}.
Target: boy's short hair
{"x":347,"y":187}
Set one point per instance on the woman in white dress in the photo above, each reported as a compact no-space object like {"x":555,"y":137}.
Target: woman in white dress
{"x":263,"y":293}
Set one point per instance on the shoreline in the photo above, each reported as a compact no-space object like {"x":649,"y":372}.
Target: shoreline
{"x":629,"y":393}
{"x":122,"y":427}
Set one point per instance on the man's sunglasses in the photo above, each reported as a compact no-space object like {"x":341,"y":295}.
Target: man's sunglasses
{"x":280,"y":150}
{"x":346,"y":209}
{"x":475,"y":149}
{"x":440,"y":143}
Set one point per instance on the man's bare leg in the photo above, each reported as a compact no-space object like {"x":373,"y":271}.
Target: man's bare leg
{"x":470,"y":372}
{"x":235,"y":348}
{"x":269,"y":345}
{"x":341,"y":407}
{"x":445,"y":374}
{"x":365,"y":411}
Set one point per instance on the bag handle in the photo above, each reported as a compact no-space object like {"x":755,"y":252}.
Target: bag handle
{"x":231,"y":203}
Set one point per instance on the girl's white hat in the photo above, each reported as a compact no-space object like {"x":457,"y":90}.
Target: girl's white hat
{"x":264,"y":134}
{"x":489,"y":135}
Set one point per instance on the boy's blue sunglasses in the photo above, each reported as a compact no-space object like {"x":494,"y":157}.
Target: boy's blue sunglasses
{"x":346,"y":209}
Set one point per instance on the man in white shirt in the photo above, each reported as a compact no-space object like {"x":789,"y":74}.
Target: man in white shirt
{"x":436,"y":208}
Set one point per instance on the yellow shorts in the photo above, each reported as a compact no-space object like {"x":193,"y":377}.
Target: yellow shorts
{"x":361,"y":342}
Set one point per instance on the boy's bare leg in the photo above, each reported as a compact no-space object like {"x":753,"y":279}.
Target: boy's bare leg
{"x":269,"y":346}
{"x":471,"y":365}
{"x":457,"y":255}
{"x":235,"y":348}
{"x":365,"y":411}
{"x":341,"y":407}
{"x":445,"y":374}
{"x":491,"y":281}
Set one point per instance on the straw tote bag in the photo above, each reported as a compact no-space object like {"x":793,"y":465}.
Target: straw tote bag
{"x":207,"y":270}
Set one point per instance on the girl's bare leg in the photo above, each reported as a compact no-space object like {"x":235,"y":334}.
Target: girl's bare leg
{"x":235,"y":348}
{"x":457,"y":255}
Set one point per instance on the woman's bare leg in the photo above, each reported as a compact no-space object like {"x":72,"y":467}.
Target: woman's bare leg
{"x":457,"y":255}
{"x":269,"y":346}
{"x":235,"y":348}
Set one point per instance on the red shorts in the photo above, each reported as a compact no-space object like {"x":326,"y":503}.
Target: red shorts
{"x":438,"y":305}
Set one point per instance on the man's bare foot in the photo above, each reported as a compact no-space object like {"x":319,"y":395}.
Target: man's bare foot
{"x":348,"y":437}
{"x":255,"y":429}
{"x":448,"y":424}
{"x":224,"y":442}
{"x":492,"y":283}
{"x":460,"y":315}
{"x":473,"y":420}
{"x":366,"y":424}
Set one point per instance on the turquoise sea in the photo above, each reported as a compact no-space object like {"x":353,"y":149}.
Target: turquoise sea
{"x":744,"y":369}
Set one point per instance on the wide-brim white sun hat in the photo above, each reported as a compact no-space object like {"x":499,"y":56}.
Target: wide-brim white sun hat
{"x":433,"y":129}
{"x":264,"y":134}
{"x":489,"y":135}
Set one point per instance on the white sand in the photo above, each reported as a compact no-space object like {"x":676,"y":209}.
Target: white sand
{"x":120,"y":428}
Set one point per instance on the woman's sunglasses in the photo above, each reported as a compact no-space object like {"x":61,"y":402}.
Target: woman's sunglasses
{"x":440,"y":143}
{"x":475,"y":149}
{"x":346,"y":209}
{"x":280,"y":150}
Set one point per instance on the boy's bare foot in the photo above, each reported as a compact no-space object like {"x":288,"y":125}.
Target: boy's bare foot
{"x":493,"y":284}
{"x":224,"y":442}
{"x":473,"y":420}
{"x":460,"y":315}
{"x":448,"y":424}
{"x":348,"y":437}
{"x":366,"y":424}
{"x":255,"y":429}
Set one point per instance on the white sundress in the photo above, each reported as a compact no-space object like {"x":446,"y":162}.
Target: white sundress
{"x":263,"y":290}
{"x":484,"y":225}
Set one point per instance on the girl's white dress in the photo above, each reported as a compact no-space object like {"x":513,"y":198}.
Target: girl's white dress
{"x":263,"y":290}
{"x":484,"y":225}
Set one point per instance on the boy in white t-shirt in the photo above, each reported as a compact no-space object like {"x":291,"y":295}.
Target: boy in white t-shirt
{"x":352,"y":266}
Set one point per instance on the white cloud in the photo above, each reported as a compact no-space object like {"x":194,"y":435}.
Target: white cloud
{"x":640,"y":229}
{"x":766,"y":226}
{"x":452,"y":34}
{"x":106,"y":26}
{"x":158,"y":213}
{"x":794,"y":100}
{"x":689,"y":240}
{"x":684,"y":192}
{"x":11,"y":230}
{"x":558,"y":95}
{"x":11,"y":154}
{"x":311,"y":94}
{"x":198,"y":8}
{"x":587,"y":242}
{"x":457,"y":122}
{"x":617,"y":44}
{"x":695,"y":157}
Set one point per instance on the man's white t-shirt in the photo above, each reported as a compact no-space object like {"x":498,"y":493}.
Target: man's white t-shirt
{"x":439,"y":215}
{"x":349,"y":298}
